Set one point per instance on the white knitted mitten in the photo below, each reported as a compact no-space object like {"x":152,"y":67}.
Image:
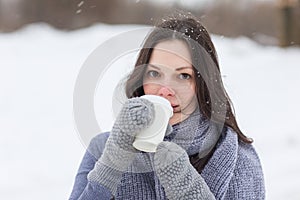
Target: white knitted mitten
{"x":118,"y":154}
{"x":178,"y":177}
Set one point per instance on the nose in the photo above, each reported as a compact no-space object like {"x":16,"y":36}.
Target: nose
{"x":165,"y":91}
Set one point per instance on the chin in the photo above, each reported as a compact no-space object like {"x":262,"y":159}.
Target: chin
{"x":176,"y":110}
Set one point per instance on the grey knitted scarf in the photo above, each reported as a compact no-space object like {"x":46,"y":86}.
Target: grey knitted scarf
{"x":196,"y":134}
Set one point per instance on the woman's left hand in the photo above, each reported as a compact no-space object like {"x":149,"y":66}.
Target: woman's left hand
{"x":178,"y":177}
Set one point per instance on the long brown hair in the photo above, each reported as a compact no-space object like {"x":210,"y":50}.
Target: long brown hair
{"x":209,"y":85}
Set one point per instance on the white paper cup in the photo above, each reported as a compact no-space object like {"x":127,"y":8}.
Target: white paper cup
{"x":148,"y":139}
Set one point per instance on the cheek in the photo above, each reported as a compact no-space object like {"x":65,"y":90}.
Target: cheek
{"x":187,"y":95}
{"x":186,"y":90}
{"x":150,"y":88}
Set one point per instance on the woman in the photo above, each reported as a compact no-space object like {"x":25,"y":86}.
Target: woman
{"x":204,"y":154}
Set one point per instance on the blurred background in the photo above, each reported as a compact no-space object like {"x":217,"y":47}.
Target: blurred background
{"x":270,"y":22}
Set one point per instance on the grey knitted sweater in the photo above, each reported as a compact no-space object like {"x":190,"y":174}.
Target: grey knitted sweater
{"x":233,"y":172}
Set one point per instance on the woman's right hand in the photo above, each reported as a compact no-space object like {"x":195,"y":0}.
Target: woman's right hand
{"x":118,"y":154}
{"x":136,"y":114}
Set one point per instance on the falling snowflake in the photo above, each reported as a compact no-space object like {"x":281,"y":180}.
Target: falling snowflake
{"x":80,"y":4}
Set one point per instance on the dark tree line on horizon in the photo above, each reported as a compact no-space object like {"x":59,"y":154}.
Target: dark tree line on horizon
{"x":265,"y":22}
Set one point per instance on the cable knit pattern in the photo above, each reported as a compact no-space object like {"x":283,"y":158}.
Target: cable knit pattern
{"x":233,"y":172}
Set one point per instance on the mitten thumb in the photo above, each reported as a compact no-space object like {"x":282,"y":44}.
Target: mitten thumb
{"x":167,"y":153}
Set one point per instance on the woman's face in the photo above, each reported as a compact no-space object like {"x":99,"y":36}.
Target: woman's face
{"x":169,"y":74}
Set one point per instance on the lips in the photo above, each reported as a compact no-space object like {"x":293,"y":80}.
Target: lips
{"x":174,"y":106}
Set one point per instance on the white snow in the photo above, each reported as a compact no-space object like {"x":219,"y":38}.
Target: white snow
{"x":40,"y":150}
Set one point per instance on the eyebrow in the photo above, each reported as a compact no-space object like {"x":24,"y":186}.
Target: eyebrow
{"x":177,"y":69}
{"x":181,"y":68}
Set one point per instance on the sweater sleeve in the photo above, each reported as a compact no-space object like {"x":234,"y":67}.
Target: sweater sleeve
{"x":83,"y":188}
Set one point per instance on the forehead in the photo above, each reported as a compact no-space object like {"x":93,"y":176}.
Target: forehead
{"x":173,"y":53}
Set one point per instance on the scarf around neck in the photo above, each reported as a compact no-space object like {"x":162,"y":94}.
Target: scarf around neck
{"x":196,"y":134}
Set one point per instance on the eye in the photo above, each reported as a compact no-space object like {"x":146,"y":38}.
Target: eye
{"x":152,"y":74}
{"x":185,"y":76}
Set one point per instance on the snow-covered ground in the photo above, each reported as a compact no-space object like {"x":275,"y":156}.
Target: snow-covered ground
{"x":40,"y":149}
